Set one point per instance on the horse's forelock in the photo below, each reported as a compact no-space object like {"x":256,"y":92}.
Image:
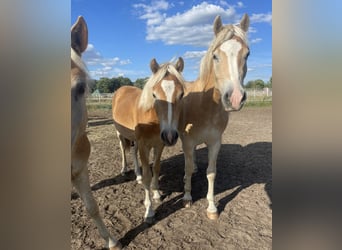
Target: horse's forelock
{"x":77,"y":60}
{"x":146,"y":99}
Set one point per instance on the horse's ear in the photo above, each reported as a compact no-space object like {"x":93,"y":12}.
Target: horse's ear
{"x":79,"y":35}
{"x":217,"y":25}
{"x":180,"y":65}
{"x":244,"y":23}
{"x":154,"y":66}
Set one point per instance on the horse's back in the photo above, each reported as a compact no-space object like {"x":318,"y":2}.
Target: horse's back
{"x":124,"y":108}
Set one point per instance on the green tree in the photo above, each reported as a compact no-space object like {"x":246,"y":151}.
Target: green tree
{"x":140,"y":82}
{"x":104,"y":85}
{"x":249,"y":85}
{"x":259,"y":84}
{"x":92,"y":85}
{"x":269,"y":83}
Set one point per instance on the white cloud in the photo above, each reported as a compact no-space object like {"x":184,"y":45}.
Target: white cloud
{"x":240,"y":4}
{"x":192,"y":27}
{"x":256,"y":40}
{"x":194,"y":54}
{"x":101,"y":66}
{"x":261,"y":18}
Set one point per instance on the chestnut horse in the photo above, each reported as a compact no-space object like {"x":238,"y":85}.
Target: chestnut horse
{"x":149,"y":118}
{"x":209,"y":99}
{"x":80,"y":146}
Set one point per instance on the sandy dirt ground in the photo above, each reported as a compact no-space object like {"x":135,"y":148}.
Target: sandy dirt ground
{"x":243,"y":191}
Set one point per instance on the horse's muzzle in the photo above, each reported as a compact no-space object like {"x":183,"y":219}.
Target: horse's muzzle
{"x":169,"y":137}
{"x":234,"y":103}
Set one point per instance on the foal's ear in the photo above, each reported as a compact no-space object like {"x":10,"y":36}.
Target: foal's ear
{"x":180,"y":65}
{"x":244,"y":23}
{"x":154,"y":66}
{"x":79,"y":35}
{"x":217,"y":25}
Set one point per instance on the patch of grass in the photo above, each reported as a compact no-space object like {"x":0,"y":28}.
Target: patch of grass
{"x":258,"y":104}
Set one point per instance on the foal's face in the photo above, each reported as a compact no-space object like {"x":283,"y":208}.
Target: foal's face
{"x":78,"y":102}
{"x":79,"y":42}
{"x":230,"y":67}
{"x":168,"y":94}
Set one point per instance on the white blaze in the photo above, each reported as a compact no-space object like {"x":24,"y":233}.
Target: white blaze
{"x":232,"y":49}
{"x":168,"y":87}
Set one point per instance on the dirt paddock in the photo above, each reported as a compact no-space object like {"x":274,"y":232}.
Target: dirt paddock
{"x":243,"y":191}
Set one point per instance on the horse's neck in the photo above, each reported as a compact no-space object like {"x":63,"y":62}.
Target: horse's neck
{"x":148,"y":116}
{"x":206,"y":88}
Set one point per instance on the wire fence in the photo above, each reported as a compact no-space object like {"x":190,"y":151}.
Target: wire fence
{"x":255,"y":97}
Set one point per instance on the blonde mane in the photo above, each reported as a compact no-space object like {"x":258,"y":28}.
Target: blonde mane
{"x":225,"y":34}
{"x":146,"y":99}
{"x":81,"y":65}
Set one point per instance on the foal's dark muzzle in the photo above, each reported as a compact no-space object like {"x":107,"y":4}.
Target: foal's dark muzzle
{"x":169,"y":137}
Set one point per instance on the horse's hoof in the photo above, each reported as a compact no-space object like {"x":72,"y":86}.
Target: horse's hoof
{"x":187,"y":203}
{"x":149,"y":220}
{"x":139,"y":179}
{"x":212,"y":216}
{"x":118,"y":246}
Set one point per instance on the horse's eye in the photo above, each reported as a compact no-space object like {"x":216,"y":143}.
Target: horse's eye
{"x":80,"y":88}
{"x":154,"y":96}
{"x":247,"y":55}
{"x":215,"y":58}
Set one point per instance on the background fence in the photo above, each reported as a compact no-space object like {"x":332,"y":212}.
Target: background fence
{"x":255,"y":97}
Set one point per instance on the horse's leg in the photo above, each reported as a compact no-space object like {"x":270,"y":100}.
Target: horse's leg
{"x":194,"y":160}
{"x":80,"y":180}
{"x":136,"y":163}
{"x":213,"y":150}
{"x":156,"y":170}
{"x":146,"y":180}
{"x":188,"y":150}
{"x":122,"y":143}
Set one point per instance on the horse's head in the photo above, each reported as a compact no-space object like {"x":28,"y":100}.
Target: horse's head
{"x":168,"y":92}
{"x":229,"y":52}
{"x":79,"y":77}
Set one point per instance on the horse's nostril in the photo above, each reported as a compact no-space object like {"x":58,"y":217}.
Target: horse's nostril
{"x":244,"y":97}
{"x":176,"y":136}
{"x":169,"y":137}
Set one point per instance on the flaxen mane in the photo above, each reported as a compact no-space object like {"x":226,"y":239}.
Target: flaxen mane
{"x":146,"y":99}
{"x":81,"y":65}
{"x":225,"y":34}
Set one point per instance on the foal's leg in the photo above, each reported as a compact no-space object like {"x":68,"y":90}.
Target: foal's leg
{"x":136,"y":163}
{"x":80,"y":180}
{"x":188,"y":150}
{"x":146,"y":180}
{"x":123,"y":153}
{"x":213,"y":150}
{"x":156,"y":170}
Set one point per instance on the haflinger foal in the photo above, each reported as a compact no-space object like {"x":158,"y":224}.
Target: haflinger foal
{"x":80,"y":146}
{"x":149,"y":118}
{"x":209,"y":99}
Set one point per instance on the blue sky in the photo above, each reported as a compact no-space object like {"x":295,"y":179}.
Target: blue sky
{"x":125,"y":35}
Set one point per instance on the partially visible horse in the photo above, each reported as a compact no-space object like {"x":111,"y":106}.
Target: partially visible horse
{"x":149,"y":118}
{"x":209,"y":99}
{"x":80,"y":146}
